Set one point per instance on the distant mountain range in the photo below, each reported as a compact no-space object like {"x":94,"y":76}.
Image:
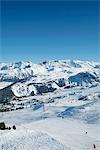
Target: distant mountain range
{"x":47,"y":76}
{"x":48,"y":69}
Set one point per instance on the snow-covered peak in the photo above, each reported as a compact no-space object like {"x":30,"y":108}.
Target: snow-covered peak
{"x":47,"y":69}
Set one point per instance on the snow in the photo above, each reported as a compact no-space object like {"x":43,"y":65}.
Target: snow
{"x":83,"y":77}
{"x":67,"y":133}
{"x":21,"y":89}
{"x":55,"y":120}
{"x":24,"y":139}
{"x":4,"y":84}
{"x":50,"y":69}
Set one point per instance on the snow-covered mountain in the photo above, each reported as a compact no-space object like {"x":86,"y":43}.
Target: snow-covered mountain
{"x":48,"y":75}
{"x":51,"y":69}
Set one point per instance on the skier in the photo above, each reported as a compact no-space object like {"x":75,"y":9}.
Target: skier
{"x":94,"y":146}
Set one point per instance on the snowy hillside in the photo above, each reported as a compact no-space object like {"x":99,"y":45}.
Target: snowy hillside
{"x":67,"y":123}
{"x":54,"y":105}
{"x":25,"y":139}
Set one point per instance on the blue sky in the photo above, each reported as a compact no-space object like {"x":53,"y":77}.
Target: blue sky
{"x":37,"y":31}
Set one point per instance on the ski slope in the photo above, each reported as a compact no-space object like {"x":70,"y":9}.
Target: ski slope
{"x":65,"y":119}
{"x":43,"y":128}
{"x":24,"y":139}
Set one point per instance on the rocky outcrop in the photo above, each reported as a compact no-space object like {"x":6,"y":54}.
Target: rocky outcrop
{"x":6,"y":94}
